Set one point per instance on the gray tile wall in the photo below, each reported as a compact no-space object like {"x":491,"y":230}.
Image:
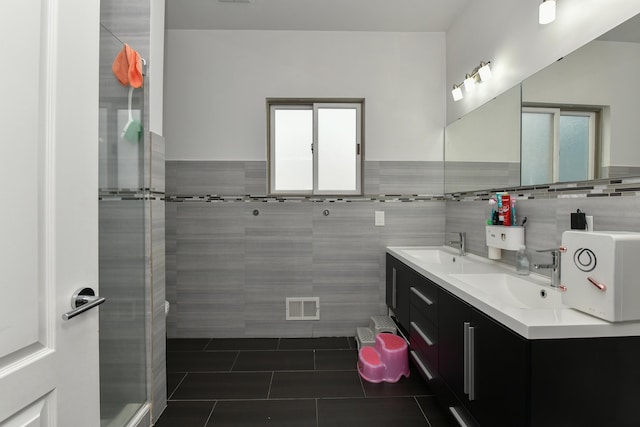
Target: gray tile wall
{"x":123,"y":317}
{"x":233,"y":270}
{"x":229,"y":271}
{"x":465,"y":176}
{"x":547,"y":220}
{"x":199,"y":178}
{"x":619,"y":171}
{"x":157,"y":267}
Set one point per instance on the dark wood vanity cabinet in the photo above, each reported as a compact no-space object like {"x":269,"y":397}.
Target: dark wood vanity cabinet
{"x":483,"y":364}
{"x":397,"y":295}
{"x":489,"y":376}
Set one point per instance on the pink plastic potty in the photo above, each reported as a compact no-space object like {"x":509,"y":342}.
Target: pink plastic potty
{"x":395,"y":356}
{"x":388,"y":361}
{"x":370,"y":366}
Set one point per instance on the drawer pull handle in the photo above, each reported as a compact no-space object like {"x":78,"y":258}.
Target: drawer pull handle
{"x":424,"y":336}
{"x":423,"y":368}
{"x":457,"y":416}
{"x":421,"y":296}
{"x":465,"y":354}
{"x":394,"y":287}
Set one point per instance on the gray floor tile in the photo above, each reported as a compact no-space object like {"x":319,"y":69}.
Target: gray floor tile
{"x":435,"y":414}
{"x":313,"y":343}
{"x":280,"y":413}
{"x":242,"y":344}
{"x":185,"y":414}
{"x":412,"y":386}
{"x":336,"y":360}
{"x":316,"y":384}
{"x":232,"y":385}
{"x":294,"y":360}
{"x":370,"y":412}
{"x":173,"y":380}
{"x":200,"y":361}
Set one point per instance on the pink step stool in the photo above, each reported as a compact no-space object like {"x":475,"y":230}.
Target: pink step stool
{"x":388,"y":361}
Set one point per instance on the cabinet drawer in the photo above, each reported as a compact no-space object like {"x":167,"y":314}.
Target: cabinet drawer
{"x":428,"y":373}
{"x":424,"y":285}
{"x":423,"y":338}
{"x":424,"y":298}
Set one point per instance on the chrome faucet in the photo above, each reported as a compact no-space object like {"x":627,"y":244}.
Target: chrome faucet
{"x":462,"y":242}
{"x":554,"y":266}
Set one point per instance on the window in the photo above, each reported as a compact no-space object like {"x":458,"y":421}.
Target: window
{"x":558,"y":145}
{"x":315,"y":148}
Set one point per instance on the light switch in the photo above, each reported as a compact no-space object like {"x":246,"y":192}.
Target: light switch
{"x":379,"y":217}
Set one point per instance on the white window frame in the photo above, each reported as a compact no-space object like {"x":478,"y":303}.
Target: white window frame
{"x":555,"y":152}
{"x":315,"y":105}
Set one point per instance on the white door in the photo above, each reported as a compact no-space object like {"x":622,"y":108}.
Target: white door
{"x":48,"y":211}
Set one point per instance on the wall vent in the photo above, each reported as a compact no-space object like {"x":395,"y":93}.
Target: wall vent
{"x":305,"y":308}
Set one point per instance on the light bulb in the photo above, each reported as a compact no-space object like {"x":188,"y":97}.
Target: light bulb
{"x":547,"y":12}
{"x":469,"y":83}
{"x":484,"y":72}
{"x":457,"y":93}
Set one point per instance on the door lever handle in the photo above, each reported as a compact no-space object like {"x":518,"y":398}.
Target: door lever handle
{"x":82,"y":300}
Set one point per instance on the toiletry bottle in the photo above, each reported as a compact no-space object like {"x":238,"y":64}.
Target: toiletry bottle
{"x":513,"y":211}
{"x":500,"y":214}
{"x":506,"y":209}
{"x":522,"y":262}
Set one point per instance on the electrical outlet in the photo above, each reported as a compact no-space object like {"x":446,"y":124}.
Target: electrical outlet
{"x":379,"y":218}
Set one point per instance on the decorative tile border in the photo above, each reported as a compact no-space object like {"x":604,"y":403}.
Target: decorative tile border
{"x":129,"y":194}
{"x":614,"y":187}
{"x":293,"y":199}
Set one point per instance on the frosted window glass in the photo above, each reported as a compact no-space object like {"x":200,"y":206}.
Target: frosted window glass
{"x":337,"y":158}
{"x":574,"y":148}
{"x":293,"y":156}
{"x":537,"y":145}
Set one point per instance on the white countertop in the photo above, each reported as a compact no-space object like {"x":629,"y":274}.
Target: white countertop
{"x":538,"y":323}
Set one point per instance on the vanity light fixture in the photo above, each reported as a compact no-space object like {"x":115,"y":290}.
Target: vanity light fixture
{"x":457,"y":93}
{"x":484,"y":72}
{"x":469,"y":83}
{"x":547,"y":12}
{"x":480,"y":74}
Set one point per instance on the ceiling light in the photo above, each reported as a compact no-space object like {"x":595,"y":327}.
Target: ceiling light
{"x":547,"y":12}
{"x":457,"y":93}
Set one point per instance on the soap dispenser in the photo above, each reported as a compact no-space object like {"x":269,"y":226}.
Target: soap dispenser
{"x":522,"y":262}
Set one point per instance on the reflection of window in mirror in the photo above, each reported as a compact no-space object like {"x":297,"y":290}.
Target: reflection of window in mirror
{"x":558,"y":145}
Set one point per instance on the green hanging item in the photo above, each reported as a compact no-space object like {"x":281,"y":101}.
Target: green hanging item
{"x":133,"y":129}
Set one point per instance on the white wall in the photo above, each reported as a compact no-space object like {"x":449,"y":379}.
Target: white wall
{"x":156,"y":65}
{"x":507,"y":33}
{"x":216,"y":84}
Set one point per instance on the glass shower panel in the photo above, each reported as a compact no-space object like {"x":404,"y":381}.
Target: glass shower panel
{"x":123,"y":221}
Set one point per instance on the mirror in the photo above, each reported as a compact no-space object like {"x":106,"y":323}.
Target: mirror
{"x":596,"y":77}
{"x":482,"y":148}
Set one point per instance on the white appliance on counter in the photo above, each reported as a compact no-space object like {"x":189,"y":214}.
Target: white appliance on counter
{"x":601,"y":271}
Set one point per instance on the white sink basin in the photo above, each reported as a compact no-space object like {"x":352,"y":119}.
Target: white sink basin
{"x":432,"y":256}
{"x":513,"y":291}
